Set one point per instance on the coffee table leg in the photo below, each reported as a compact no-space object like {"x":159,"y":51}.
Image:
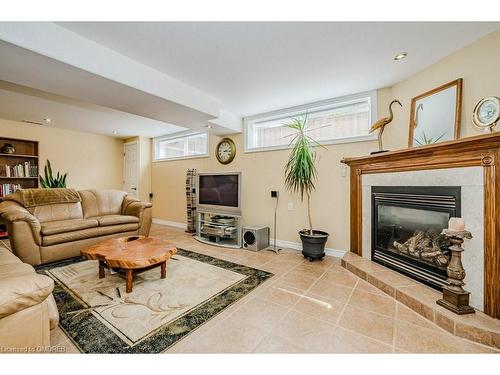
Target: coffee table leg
{"x":164,"y":270}
{"x":101,"y":269}
{"x":129,"y":275}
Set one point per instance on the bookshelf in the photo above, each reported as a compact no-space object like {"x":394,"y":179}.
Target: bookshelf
{"x":23,"y":167}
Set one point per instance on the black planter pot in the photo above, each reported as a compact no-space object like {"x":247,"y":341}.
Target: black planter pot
{"x":313,"y":245}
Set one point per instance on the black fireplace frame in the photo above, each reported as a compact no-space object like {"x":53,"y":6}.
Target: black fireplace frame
{"x":435,"y":198}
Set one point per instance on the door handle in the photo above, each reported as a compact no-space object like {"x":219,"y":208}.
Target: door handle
{"x":133,"y":188}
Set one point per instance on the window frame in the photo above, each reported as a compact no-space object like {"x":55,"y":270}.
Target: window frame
{"x":174,"y":136}
{"x":315,"y":107}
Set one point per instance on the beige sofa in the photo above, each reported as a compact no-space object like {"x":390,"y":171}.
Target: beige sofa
{"x":47,"y":225}
{"x":27,"y":307}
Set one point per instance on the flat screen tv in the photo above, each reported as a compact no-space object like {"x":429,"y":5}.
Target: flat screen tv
{"x":219,"y":192}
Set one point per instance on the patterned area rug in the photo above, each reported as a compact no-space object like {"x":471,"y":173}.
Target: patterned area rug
{"x":100,"y":317}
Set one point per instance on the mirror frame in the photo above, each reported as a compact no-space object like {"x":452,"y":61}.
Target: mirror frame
{"x":458,"y":108}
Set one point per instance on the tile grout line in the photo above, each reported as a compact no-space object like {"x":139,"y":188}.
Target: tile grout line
{"x":398,"y":307}
{"x":345,"y":305}
{"x":395,"y":327}
{"x":336,"y":325}
{"x":293,"y":305}
{"x":238,"y":308}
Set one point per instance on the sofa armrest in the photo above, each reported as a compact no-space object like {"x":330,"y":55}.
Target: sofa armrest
{"x":142,"y":210}
{"x":19,"y":293}
{"x":13,"y":211}
{"x":134,"y":207}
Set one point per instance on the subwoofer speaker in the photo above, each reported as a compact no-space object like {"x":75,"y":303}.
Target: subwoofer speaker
{"x":255,"y":238}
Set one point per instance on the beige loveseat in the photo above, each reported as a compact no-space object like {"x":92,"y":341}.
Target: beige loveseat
{"x":27,"y":308}
{"x":47,"y":225}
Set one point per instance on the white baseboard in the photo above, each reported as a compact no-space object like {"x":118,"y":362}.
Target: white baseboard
{"x":280,"y":243}
{"x":298,"y":246}
{"x":170,"y":223}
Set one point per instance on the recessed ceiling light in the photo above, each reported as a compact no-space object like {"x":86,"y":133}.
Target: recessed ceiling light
{"x":208,"y":126}
{"x":400,"y":56}
{"x":47,"y":120}
{"x":114,"y":132}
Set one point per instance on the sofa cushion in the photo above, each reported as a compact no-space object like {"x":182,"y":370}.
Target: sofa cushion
{"x":59,"y":211}
{"x":87,"y":233}
{"x":15,"y":270}
{"x":6,"y":257}
{"x":104,"y":221}
{"x":101,"y":202}
{"x":63,"y":226}
{"x":21,"y":292}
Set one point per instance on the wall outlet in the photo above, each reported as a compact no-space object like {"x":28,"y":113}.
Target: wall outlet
{"x":291,"y":206}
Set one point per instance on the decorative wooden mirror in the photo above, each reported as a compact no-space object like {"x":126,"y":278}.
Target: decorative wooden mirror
{"x":435,"y":115}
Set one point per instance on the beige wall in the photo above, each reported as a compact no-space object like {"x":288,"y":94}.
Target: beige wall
{"x":263,"y":172}
{"x":477,"y":64}
{"x":92,"y":161}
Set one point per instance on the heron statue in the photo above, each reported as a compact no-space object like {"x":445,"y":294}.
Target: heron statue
{"x":381,"y":124}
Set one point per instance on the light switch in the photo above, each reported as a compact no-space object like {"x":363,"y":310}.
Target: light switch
{"x":344,"y":170}
{"x":291,"y":206}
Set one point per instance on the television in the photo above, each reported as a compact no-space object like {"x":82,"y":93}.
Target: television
{"x":219,"y":192}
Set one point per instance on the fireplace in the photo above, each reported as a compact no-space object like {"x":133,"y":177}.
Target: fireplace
{"x":406,"y":229}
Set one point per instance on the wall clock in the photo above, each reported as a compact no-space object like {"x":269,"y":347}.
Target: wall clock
{"x":486,"y":113}
{"x":225,"y":151}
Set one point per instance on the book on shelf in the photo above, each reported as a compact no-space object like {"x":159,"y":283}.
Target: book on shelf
{"x":26,"y":169}
{"x":6,"y":189}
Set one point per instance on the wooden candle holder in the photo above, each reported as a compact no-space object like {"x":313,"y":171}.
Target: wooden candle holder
{"x":455,"y":298}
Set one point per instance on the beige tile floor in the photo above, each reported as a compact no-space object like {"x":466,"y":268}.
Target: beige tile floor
{"x":306,"y":308}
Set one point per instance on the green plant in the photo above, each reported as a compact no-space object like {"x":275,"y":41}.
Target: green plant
{"x":300,"y":169}
{"x":423,"y":140}
{"x":49,"y":181}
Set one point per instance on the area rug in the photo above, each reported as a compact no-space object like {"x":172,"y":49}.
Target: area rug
{"x":99,"y":317}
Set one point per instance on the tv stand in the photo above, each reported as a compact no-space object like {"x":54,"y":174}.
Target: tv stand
{"x":219,"y":229}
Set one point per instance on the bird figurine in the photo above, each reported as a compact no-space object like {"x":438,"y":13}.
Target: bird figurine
{"x":381,"y":124}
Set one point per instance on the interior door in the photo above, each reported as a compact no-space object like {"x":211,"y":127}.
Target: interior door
{"x":130,"y":168}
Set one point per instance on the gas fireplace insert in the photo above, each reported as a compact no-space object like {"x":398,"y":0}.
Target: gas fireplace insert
{"x":406,"y":229}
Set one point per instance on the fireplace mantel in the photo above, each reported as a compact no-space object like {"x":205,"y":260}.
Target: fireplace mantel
{"x":482,"y":150}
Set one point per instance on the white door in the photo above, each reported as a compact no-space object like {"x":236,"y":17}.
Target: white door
{"x":130,"y":168}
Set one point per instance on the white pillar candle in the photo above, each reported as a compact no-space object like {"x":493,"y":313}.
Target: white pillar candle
{"x":456,"y":224}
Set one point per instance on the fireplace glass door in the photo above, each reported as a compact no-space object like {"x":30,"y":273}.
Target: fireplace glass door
{"x":406,"y":230}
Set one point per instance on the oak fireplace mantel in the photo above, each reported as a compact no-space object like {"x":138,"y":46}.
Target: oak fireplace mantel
{"x":483,"y":151}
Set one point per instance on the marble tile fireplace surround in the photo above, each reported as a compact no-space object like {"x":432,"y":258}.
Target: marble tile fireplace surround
{"x":470,"y":165}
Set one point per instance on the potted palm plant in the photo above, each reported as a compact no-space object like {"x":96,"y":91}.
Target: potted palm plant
{"x":300,"y":174}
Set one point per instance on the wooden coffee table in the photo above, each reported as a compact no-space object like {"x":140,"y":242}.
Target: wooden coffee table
{"x":131,"y":255}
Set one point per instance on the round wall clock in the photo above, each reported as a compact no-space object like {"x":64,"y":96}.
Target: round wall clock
{"x":486,"y":113}
{"x":225,"y":151}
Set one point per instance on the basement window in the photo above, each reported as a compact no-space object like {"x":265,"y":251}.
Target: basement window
{"x":193,"y":145}
{"x":340,"y":120}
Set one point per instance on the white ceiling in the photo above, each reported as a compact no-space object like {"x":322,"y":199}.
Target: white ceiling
{"x":157,"y":78}
{"x":21,"y":103}
{"x":258,"y":67}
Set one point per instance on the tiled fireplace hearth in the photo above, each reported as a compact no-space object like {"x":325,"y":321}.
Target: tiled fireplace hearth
{"x":401,"y":200}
